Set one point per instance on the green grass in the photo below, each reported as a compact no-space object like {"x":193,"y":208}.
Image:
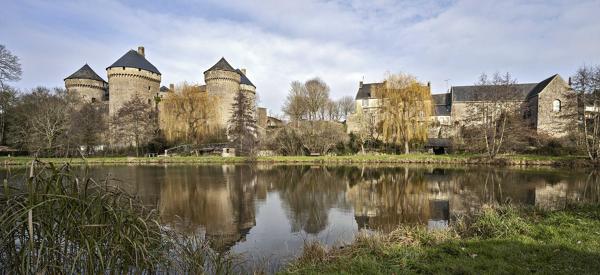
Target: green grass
{"x":369,"y":158}
{"x":498,"y":241}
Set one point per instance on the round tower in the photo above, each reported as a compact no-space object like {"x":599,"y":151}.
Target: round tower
{"x":86,"y":84}
{"x":132,"y":76}
{"x":248,"y":89}
{"x":223,"y":81}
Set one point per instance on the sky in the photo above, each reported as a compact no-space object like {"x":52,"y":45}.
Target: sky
{"x":446,"y":42}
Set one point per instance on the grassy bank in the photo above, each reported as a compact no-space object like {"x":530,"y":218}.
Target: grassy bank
{"x":498,"y":241}
{"x":409,"y":158}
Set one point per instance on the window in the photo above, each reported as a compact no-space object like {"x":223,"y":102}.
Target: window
{"x":365,"y":102}
{"x":149,"y":101}
{"x":93,"y":99}
{"x":556,"y":106}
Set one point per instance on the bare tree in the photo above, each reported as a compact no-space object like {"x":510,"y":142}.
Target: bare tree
{"x":586,"y":83}
{"x":134,"y":124}
{"x":332,"y":109}
{"x":187,"y":113}
{"x":242,"y":126}
{"x":295,"y":103}
{"x":42,"y":120}
{"x":10,"y":68}
{"x":495,"y":116}
{"x":317,"y":96}
{"x":346,"y":106}
{"x":8,"y":99}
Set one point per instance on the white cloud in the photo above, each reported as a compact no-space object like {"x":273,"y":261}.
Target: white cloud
{"x":281,"y":41}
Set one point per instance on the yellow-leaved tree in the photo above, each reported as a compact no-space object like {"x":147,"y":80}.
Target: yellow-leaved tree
{"x":188,"y":114}
{"x":405,"y":110}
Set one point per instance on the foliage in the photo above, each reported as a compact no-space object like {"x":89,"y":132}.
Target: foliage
{"x":287,"y":141}
{"x":186,"y":115}
{"x":134,"y":124}
{"x":406,"y":106}
{"x":321,"y":136}
{"x":8,"y":100}
{"x":242,"y":126}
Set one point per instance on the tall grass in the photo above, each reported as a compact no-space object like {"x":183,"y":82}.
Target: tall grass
{"x":59,"y":223}
{"x":55,"y":221}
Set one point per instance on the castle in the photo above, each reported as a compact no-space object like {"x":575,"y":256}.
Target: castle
{"x":133,"y":75}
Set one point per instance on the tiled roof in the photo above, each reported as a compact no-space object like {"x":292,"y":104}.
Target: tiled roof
{"x":133,"y":59}
{"x":85,"y":72}
{"x":485,"y":93}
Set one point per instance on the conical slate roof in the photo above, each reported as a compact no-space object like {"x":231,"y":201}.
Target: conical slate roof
{"x":133,"y":59}
{"x":244,"y":79}
{"x":85,"y":72}
{"x":222,"y":65}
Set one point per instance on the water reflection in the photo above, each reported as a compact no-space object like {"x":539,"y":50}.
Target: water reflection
{"x":268,"y":211}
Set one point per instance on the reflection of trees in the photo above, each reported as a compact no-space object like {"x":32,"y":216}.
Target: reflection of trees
{"x":219,"y":199}
{"x":392,"y":197}
{"x":308,"y":193}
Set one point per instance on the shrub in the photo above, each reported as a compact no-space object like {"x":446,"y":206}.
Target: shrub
{"x":496,"y":222}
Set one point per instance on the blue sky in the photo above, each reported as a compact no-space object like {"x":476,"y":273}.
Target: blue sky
{"x":280,"y":41}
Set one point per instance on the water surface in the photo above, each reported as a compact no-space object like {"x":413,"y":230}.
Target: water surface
{"x":267,"y":212}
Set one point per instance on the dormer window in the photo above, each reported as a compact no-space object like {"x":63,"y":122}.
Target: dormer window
{"x":556,"y":106}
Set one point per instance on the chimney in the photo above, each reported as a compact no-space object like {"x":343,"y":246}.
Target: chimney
{"x":429,"y":84}
{"x":141,"y":51}
{"x":570,"y":83}
{"x":360,"y":84}
{"x":243,"y":71}
{"x":171,"y":87}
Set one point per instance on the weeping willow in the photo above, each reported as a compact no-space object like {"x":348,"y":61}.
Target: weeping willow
{"x":406,"y":107}
{"x":188,"y":115}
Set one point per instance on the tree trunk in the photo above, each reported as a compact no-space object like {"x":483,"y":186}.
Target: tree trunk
{"x":406,"y":147}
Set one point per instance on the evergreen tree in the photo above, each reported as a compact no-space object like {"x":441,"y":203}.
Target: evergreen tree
{"x":241,"y":130}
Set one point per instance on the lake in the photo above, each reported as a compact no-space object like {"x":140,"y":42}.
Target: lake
{"x":267,"y":212}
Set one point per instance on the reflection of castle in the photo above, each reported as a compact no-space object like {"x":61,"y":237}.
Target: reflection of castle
{"x":219,"y":200}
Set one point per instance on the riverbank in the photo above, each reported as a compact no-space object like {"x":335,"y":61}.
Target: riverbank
{"x":505,"y":240}
{"x":469,"y":159}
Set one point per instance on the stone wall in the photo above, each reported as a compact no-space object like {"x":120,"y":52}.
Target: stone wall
{"x":224,"y":85}
{"x":555,"y":123}
{"x":88,"y":90}
{"x":126,"y":83}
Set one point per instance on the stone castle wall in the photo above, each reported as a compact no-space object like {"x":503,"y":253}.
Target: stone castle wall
{"x":224,"y":85}
{"x":126,"y":83}
{"x":88,"y":90}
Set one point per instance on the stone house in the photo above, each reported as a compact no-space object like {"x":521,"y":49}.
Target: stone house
{"x":545,"y":106}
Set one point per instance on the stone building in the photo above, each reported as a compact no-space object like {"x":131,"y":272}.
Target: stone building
{"x":545,"y":106}
{"x":87,"y":85}
{"x":224,"y":82}
{"x":132,"y":76}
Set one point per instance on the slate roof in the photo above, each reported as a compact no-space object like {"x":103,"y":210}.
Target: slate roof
{"x":442,"y":104}
{"x":366,"y":90}
{"x":164,"y":89}
{"x":221,"y":65}
{"x":85,"y":72}
{"x":132,"y":59}
{"x":483,"y":93}
{"x":244,"y":79}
